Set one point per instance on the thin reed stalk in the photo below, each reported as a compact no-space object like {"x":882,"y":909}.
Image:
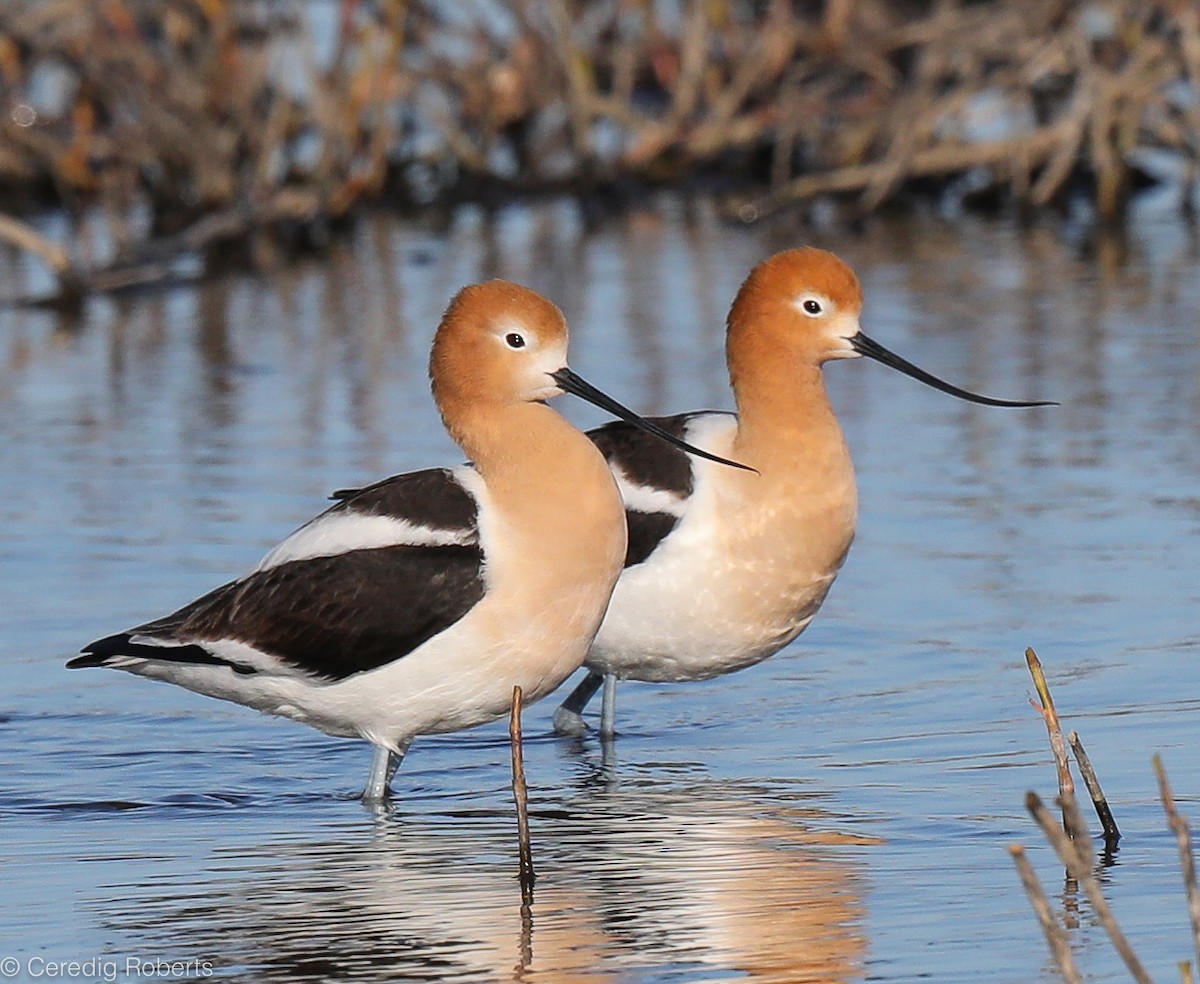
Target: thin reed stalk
{"x":521,"y":799}
{"x":1078,"y":861}
{"x":1112,"y":833}
{"x":1066,"y":784}
{"x":1056,"y":937}
{"x":1179,"y":826}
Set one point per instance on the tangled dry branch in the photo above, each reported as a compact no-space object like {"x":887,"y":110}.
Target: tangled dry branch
{"x":160,"y":113}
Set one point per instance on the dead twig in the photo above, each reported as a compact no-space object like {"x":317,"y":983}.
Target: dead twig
{"x":1187,"y":861}
{"x":1112,"y":833}
{"x":1056,"y":936}
{"x":1078,"y":864}
{"x":1066,"y":784}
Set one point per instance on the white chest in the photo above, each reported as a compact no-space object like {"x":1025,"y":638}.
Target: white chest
{"x":738,"y":579}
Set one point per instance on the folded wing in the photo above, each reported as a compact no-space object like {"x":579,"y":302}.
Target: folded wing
{"x":361,"y":585}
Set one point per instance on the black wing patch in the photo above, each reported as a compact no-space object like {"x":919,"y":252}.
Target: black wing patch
{"x":646,"y":532}
{"x":649,"y":463}
{"x":328,"y":616}
{"x":645,"y":459}
{"x":433,"y":498}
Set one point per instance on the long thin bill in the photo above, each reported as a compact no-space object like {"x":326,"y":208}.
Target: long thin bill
{"x":873,"y":350}
{"x":576,"y":385}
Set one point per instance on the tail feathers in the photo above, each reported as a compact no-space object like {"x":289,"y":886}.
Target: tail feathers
{"x":113,"y":650}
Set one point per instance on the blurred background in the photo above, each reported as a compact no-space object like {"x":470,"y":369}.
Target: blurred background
{"x":227,"y":233}
{"x":228,"y":131}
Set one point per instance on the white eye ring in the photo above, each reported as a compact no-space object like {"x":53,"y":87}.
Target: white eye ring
{"x":514,"y":340}
{"x":812,"y":307}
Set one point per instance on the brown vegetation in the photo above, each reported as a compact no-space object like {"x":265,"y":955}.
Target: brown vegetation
{"x":189,"y":123}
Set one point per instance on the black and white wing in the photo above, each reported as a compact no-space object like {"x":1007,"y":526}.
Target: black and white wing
{"x":656,"y":480}
{"x":363,"y":584}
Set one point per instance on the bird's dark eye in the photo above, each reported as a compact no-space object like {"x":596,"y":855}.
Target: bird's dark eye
{"x":514,"y":340}
{"x":812,"y":307}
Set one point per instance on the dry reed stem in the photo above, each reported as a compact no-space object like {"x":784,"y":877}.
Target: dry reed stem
{"x":1112,"y":833}
{"x":1077,"y":829}
{"x":1187,"y":861}
{"x":1056,"y":936}
{"x":1079,"y":867}
{"x":521,"y":798}
{"x":1066,"y":785}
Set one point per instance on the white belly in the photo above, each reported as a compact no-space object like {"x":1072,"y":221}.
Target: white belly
{"x":739,"y":578}
{"x":690,"y":617}
{"x":462,"y":677}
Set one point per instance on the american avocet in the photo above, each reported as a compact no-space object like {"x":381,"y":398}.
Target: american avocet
{"x":725,"y":568}
{"x":415,"y":605}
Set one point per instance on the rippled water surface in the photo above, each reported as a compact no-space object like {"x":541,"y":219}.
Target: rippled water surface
{"x":841,"y":812}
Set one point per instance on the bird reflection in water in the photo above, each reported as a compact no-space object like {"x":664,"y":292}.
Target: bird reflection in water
{"x":689,"y":879}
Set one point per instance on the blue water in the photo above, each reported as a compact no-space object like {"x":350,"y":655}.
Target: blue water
{"x":841,"y":812}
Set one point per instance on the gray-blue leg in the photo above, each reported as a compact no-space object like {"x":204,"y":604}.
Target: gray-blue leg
{"x":383,"y":766}
{"x":568,"y":716}
{"x":608,"y":707}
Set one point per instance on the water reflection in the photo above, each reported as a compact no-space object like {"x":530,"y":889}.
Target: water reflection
{"x":652,"y":292}
{"x":662,"y":881}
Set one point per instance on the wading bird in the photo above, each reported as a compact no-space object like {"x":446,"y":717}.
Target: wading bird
{"x":724,"y":567}
{"x":415,"y":605}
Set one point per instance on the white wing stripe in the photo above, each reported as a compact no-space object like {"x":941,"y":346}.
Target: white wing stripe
{"x":338,"y":533}
{"x":643,"y":498}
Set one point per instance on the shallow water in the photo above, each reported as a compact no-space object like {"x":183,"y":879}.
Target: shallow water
{"x":841,"y":812}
